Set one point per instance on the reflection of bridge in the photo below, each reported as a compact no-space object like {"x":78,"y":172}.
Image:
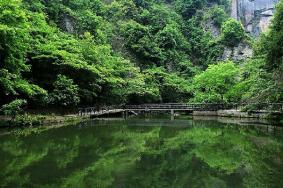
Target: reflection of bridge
{"x":172,"y":107}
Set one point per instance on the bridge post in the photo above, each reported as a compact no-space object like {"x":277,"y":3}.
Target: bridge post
{"x":125,"y":114}
{"x":172,"y":115}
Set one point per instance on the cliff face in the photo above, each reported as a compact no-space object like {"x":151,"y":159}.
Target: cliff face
{"x":254,"y":14}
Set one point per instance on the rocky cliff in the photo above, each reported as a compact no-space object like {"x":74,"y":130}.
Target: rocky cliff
{"x":254,"y":14}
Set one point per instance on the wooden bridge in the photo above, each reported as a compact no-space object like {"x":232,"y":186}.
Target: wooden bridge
{"x":172,"y":107}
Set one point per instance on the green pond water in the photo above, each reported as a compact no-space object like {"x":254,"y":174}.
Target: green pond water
{"x":144,"y":152}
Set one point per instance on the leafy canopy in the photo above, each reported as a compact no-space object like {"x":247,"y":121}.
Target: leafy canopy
{"x":212,"y":85}
{"x":232,"y":32}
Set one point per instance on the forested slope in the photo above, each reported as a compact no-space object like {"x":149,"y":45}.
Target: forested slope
{"x":95,"y":52}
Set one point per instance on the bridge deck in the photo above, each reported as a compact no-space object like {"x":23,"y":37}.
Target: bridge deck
{"x":270,"y":107}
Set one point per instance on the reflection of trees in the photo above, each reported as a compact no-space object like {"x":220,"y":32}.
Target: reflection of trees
{"x":225,"y":155}
{"x":15,"y":156}
{"x":204,"y":155}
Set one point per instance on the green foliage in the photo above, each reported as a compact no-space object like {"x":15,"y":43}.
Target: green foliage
{"x":232,"y":32}
{"x":126,"y":51}
{"x":257,"y":84}
{"x":65,"y":92}
{"x":161,"y":86}
{"x":156,"y":38}
{"x":13,"y":36}
{"x":28,"y":121}
{"x":13,"y":108}
{"x":212,"y":85}
{"x":205,"y":49}
{"x":171,"y":86}
{"x":14,"y":40}
{"x":188,"y":8}
{"x":217,"y":14}
{"x":242,"y":91}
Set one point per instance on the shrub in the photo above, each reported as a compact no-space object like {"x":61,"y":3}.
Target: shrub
{"x":232,"y":32}
{"x":28,"y":120}
{"x":65,"y":92}
{"x":13,"y":108}
{"x":218,"y":15}
{"x":215,"y":82}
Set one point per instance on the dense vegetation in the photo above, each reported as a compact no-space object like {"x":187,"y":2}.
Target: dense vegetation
{"x":94,"y":52}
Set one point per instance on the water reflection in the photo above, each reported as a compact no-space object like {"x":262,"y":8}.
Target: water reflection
{"x":139,"y":152}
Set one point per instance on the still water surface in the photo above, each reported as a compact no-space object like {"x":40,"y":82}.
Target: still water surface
{"x":144,"y":152}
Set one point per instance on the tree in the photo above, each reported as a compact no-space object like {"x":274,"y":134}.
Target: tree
{"x":13,"y":108}
{"x":120,"y":50}
{"x":14,"y":36}
{"x":14,"y":44}
{"x":217,"y":15}
{"x":188,"y":8}
{"x":65,"y":92}
{"x":212,"y":84}
{"x":232,"y":32}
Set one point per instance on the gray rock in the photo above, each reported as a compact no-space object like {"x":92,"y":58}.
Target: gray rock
{"x":254,"y":14}
{"x":68,"y":24}
{"x":209,"y":26}
{"x":238,"y":53}
{"x":242,"y":51}
{"x":227,"y":54}
{"x":267,"y":13}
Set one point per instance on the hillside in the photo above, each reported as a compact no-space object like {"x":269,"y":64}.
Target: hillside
{"x":68,"y":53}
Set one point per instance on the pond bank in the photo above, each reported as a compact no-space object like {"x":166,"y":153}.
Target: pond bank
{"x":38,"y":120}
{"x":240,"y":114}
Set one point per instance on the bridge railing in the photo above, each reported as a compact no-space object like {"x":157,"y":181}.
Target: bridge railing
{"x":101,"y":109}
